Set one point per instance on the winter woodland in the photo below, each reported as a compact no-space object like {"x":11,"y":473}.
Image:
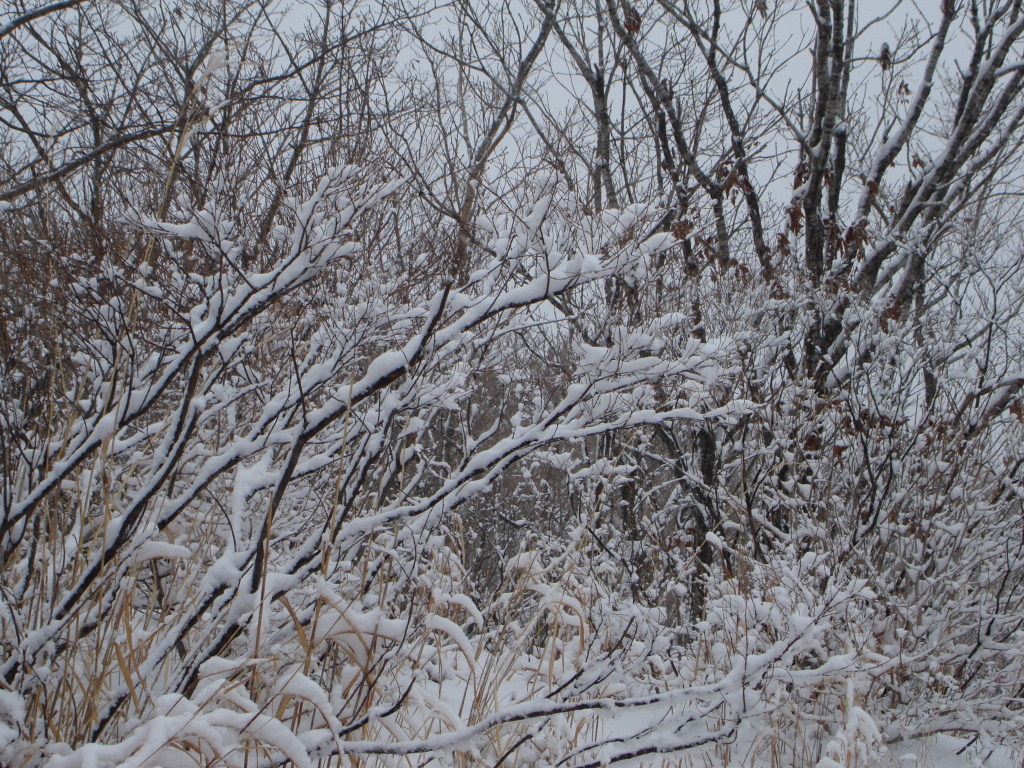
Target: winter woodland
{"x":511,"y":383}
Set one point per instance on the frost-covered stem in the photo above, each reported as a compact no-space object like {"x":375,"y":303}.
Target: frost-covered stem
{"x":499,"y":127}
{"x":663,"y":103}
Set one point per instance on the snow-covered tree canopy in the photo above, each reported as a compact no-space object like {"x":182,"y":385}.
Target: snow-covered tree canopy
{"x":510,"y":383}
